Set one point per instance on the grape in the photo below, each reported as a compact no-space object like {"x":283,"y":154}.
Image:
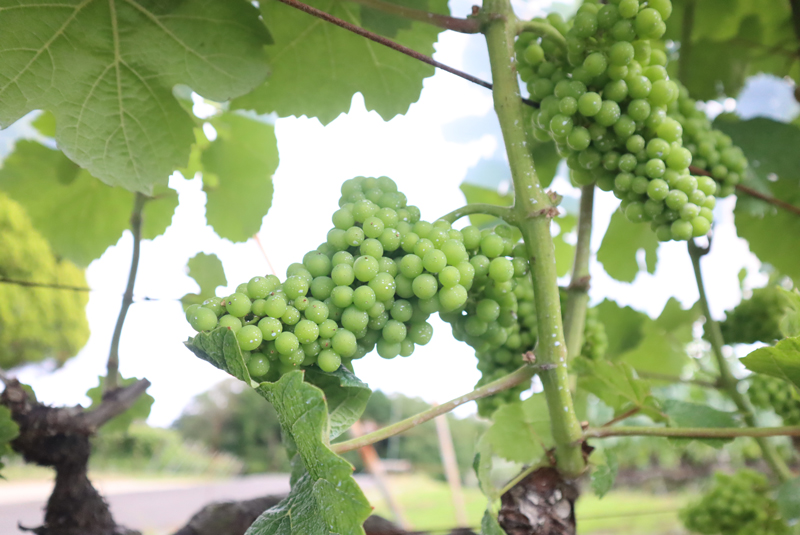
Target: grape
{"x":365,"y":268}
{"x":344,"y":342}
{"x":364,"y":297}
{"x":201,"y":318}
{"x":238,"y":305}
{"x":258,"y":365}
{"x":270,"y":328}
{"x":231,"y":322}
{"x":329,"y":360}
{"x":249,"y":337}
{"x":434,"y":261}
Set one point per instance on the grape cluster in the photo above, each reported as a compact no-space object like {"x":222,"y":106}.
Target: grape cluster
{"x":375,"y":281}
{"x":712,"y":150}
{"x":736,"y":504}
{"x":772,"y":393}
{"x":595,"y":339}
{"x":604,"y":101}
{"x":757,"y":319}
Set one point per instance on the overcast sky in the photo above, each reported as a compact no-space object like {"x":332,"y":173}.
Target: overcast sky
{"x":428,"y":152}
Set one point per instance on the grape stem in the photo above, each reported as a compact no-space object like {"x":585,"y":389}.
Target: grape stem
{"x":112,"y":367}
{"x":578,"y":289}
{"x":501,"y":212}
{"x":753,"y":193}
{"x":544,"y":29}
{"x":687,"y":25}
{"x":675,"y":379}
{"x":468,"y":25}
{"x":692,"y":432}
{"x":504,"y":383}
{"x":727,"y":381}
{"x":534,"y":209}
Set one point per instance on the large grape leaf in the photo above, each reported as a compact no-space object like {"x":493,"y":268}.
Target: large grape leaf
{"x":686,"y":414}
{"x":604,"y":471}
{"x":620,"y":244}
{"x":345,"y":394}
{"x":317,"y":67}
{"x":489,"y":524}
{"x":237,"y":175}
{"x":208,"y":273}
{"x":107,"y":69}
{"x":771,"y":148}
{"x":220,"y":349}
{"x":624,"y":327}
{"x":782,"y":360}
{"x":520,"y":431}
{"x":140,"y":409}
{"x":79,"y":215}
{"x":482,"y":465}
{"x":325,"y":499}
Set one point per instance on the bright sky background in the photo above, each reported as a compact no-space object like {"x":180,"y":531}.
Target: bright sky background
{"x":428,"y":152}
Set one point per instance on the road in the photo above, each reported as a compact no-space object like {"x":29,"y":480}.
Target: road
{"x":155,"y":507}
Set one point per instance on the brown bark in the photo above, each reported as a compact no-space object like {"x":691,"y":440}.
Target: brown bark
{"x":541,"y":504}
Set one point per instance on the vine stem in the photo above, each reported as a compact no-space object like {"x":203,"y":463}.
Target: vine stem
{"x":504,"y":383}
{"x":442,"y":21}
{"x":578,"y":290}
{"x":653,"y":376}
{"x":727,"y":381}
{"x":502,"y":212}
{"x":687,"y":25}
{"x":534,"y":211}
{"x":754,"y":193}
{"x":542,"y":28}
{"x":692,"y":432}
{"x":127,"y":298}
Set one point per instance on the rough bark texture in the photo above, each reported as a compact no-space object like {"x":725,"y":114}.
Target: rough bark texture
{"x":541,"y":504}
{"x":59,"y":437}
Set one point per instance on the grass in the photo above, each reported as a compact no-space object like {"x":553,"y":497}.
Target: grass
{"x":427,"y":505}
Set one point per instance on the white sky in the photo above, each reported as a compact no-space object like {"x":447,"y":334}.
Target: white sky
{"x":424,"y":153}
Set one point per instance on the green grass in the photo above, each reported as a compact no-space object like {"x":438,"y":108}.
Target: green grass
{"x":427,"y":505}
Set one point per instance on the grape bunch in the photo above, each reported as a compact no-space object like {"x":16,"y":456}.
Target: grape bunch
{"x":736,"y":504}
{"x":604,"y":101}
{"x":757,"y":319}
{"x":712,"y":151}
{"x":595,"y":339}
{"x":772,"y":393}
{"x":373,"y":283}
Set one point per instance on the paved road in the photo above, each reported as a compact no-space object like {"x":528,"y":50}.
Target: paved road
{"x":155,"y":508}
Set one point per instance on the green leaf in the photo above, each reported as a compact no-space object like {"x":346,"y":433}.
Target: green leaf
{"x":790,"y":323}
{"x":242,"y":161}
{"x":345,"y":394}
{"x":317,"y":67}
{"x":221,"y":349}
{"x":326,"y":498}
{"x":620,"y":244}
{"x":616,"y":384}
{"x":481,"y":186}
{"x":140,"y":409}
{"x":106,"y":71}
{"x":79,"y":215}
{"x":520,"y":431}
{"x":604,"y":471}
{"x":9,"y":430}
{"x":781,"y":360}
{"x":685,"y":414}
{"x":788,"y":499}
{"x":207,"y":272}
{"x":775,"y":163}
{"x":624,"y":327}
{"x":482,"y":465}
{"x":489,"y":524}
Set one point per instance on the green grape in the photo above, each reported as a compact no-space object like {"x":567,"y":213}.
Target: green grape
{"x":329,"y":360}
{"x":452,"y":298}
{"x":354,"y":319}
{"x":258,"y":365}
{"x":286,"y":343}
{"x":342,"y":274}
{"x":328,"y":328}
{"x":317,"y":312}
{"x":682,"y":230}
{"x":449,"y":277}
{"x":291,"y":316}
{"x":388,"y":350}
{"x":384,"y":286}
{"x":365,"y":268}
{"x":238,"y":304}
{"x":270,"y":328}
{"x":231,"y":322}
{"x":394,"y":331}
{"x":306,"y":331}
{"x":434,"y":261}
{"x":534,"y":54}
{"x":249,"y":337}
{"x":589,"y":104}
{"x":344,"y":342}
{"x":364,"y":297}
{"x":371,"y":247}
{"x":354,"y":236}
{"x":202,"y":319}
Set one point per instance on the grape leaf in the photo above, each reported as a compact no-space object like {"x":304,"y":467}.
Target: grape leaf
{"x":520,"y":431}
{"x":620,"y":244}
{"x":9,"y":430}
{"x":325,"y":499}
{"x":489,"y":524}
{"x":790,"y":323}
{"x":345,"y":394}
{"x":140,"y":409}
{"x":207,"y":272}
{"x":79,"y":215}
{"x":624,"y":327}
{"x":482,"y":465}
{"x":221,"y":349}
{"x":616,"y":384}
{"x":782,"y":360}
{"x":474,"y":193}
{"x":788,"y":499}
{"x":237,"y":175}
{"x":770,"y":232}
{"x":317,"y":67}
{"x":604,"y":471}
{"x":686,"y":414}
{"x":106,"y":71}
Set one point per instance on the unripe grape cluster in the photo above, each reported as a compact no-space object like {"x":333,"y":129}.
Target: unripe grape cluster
{"x":756,"y":319}
{"x":773,"y":393}
{"x":712,"y":150}
{"x":595,"y":339}
{"x":736,"y":504}
{"x":604,"y":100}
